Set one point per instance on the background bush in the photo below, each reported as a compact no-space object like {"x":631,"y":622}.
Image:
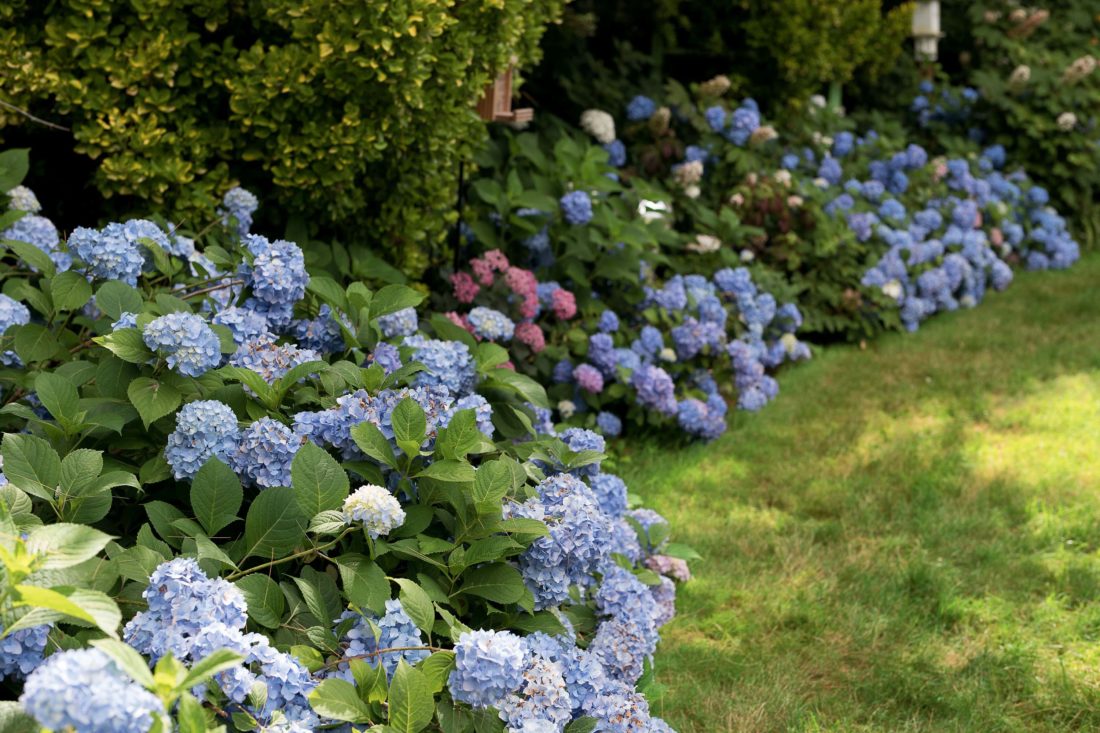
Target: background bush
{"x":354,"y":114}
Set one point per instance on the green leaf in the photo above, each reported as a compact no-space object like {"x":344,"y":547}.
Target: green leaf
{"x":409,"y":424}
{"x":331,"y":522}
{"x":250,"y":379}
{"x":52,"y":600}
{"x":411,"y":704}
{"x":127,"y":344}
{"x":115,"y":298}
{"x":58,"y":395}
{"x":436,"y":668}
{"x":498,"y":582}
{"x":449,"y":470}
{"x":34,"y":343}
{"x":492,"y":483}
{"x":70,"y":291}
{"x":318,"y":481}
{"x":31,"y":465}
{"x":583,"y":724}
{"x":216,"y":495}
{"x":65,"y":545}
{"x":338,"y":699}
{"x":127,"y":659}
{"x":153,"y":399}
{"x":80,"y":473}
{"x":265,"y":600}
{"x":274,"y":525}
{"x":32,"y":255}
{"x":417,"y":604}
{"x":460,"y":437}
{"x":365,"y":584}
{"x":370,"y":440}
{"x":393,"y":298}
{"x":528,"y":389}
{"x":14,"y":165}
{"x":190,"y":715}
{"x":208,"y":666}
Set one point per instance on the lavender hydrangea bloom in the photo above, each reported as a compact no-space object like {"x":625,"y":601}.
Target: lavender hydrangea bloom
{"x":264,"y":453}
{"x":187,"y":342}
{"x":488,"y":666}
{"x":385,"y":355}
{"x":609,"y":322}
{"x":588,"y":378}
{"x":576,"y":207}
{"x":204,"y":429}
{"x":655,"y":389}
{"x":84,"y":690}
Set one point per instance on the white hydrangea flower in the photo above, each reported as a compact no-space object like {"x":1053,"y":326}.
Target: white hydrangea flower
{"x":747,"y":255}
{"x":667,"y":354}
{"x":821,"y":183}
{"x":892,"y":289}
{"x":789,"y":341}
{"x":376,"y":508}
{"x":599,"y":124}
{"x":1067,"y":121}
{"x":23,"y":199}
{"x":693,"y":192}
{"x":817,"y":101}
{"x":737,"y":200}
{"x":704,"y":243}
{"x":689,"y":173}
{"x":783,"y":177}
{"x":567,"y":409}
{"x":1020,"y":75}
{"x":794,"y":201}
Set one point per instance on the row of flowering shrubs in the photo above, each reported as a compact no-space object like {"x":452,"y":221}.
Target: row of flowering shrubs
{"x":239,"y":495}
{"x":657,"y":275}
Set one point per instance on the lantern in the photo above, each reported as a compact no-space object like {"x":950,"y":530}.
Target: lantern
{"x":496,"y":103}
{"x":926,"y":29}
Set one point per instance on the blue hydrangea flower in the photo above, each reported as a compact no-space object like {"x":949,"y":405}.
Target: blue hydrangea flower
{"x":321,"y":334}
{"x":622,"y":645}
{"x":240,"y":205}
{"x":264,"y":453}
{"x":609,"y":322}
{"x":483,"y":413}
{"x":743,"y":123}
{"x":109,"y":254}
{"x":398,"y":323}
{"x":186,"y":341}
{"x":610,"y":492}
{"x":278,"y":271}
{"x":447,"y":363}
{"x":830,"y":170}
{"x":396,"y":629}
{"x":579,"y":439}
{"x":204,"y":429}
{"x":488,"y":666}
{"x":244,"y":324}
{"x":22,"y":650}
{"x":640,"y":108}
{"x":542,"y":696}
{"x":376,"y":508}
{"x":616,"y":153}
{"x":609,"y":424}
{"x":12,"y":313}
{"x":655,"y":389}
{"x":84,"y":690}
{"x":490,"y":324}
{"x":619,"y":709}
{"x":576,"y":207}
{"x":270,"y":360}
{"x":385,"y":355}
{"x":41,"y":232}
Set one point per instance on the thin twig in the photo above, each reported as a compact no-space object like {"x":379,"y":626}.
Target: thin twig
{"x":212,"y":289}
{"x":31,"y":117}
{"x":388,"y":650}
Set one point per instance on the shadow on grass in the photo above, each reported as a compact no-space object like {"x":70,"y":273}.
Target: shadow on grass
{"x":906,"y":540}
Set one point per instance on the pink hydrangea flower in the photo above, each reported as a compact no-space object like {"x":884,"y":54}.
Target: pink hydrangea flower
{"x":565,"y":304}
{"x":524,"y":284}
{"x":996,"y":237}
{"x":483,"y":271}
{"x":458,"y":320}
{"x":673,"y":567}
{"x":507,"y":365}
{"x":531,"y":336}
{"x":465,"y":289}
{"x":496,"y":260}
{"x":588,"y":378}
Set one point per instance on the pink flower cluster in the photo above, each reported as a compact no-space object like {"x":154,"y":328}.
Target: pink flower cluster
{"x":530,"y":335}
{"x":525,"y":285}
{"x":565,"y":304}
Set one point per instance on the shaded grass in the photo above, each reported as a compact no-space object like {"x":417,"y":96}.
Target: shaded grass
{"x":907,"y":539}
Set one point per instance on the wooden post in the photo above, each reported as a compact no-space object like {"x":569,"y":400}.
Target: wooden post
{"x":496,"y":104}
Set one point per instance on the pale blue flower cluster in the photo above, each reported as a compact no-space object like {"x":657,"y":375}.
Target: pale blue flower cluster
{"x":396,"y":632}
{"x":239,"y":205}
{"x":447,"y":363}
{"x":491,"y":325}
{"x":24,"y":649}
{"x":264,"y":453}
{"x":640,"y":108}
{"x":277,"y":276}
{"x":245,"y":324}
{"x":269,"y":359}
{"x":488,"y":666}
{"x":41,"y":232}
{"x":576,"y":208}
{"x":321,"y":333}
{"x":83,"y":690}
{"x":110,"y":253}
{"x":186,"y":341}
{"x":205,"y":429}
{"x":399,"y":323}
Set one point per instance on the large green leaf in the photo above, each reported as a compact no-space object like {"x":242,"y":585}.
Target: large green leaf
{"x":34,"y":343}
{"x":265,"y":600}
{"x":70,"y":291}
{"x":409,"y":424}
{"x":365,"y":584}
{"x":58,"y":395}
{"x":153,"y":399}
{"x":498,"y":582}
{"x":127,"y":344}
{"x":65,"y":545}
{"x":14,"y":165}
{"x":216,"y":495}
{"x":31,"y":464}
{"x":393,"y":298}
{"x":337,"y":699}
{"x":411,"y":703}
{"x":275,"y":524}
{"x":370,"y":440}
{"x":417,"y":603}
{"x":318,"y":481}
{"x":115,"y":298}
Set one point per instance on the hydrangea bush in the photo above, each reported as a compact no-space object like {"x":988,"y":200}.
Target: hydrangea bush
{"x":239,"y":495}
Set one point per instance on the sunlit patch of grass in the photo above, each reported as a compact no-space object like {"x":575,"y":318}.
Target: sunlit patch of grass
{"x":908,"y":539}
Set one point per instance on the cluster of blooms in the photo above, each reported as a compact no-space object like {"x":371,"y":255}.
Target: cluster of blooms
{"x":950,"y":108}
{"x":947,"y":230}
{"x":542,"y":682}
{"x":698,"y":329}
{"x":492,"y":279}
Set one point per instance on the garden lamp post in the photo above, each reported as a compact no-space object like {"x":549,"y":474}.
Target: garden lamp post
{"x":926,"y":29}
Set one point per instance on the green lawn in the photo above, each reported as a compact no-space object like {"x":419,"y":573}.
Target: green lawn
{"x":907,"y":539}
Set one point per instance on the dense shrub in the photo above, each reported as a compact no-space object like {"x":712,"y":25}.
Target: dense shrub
{"x":779,"y":52}
{"x":297,"y":502}
{"x":355,"y":115}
